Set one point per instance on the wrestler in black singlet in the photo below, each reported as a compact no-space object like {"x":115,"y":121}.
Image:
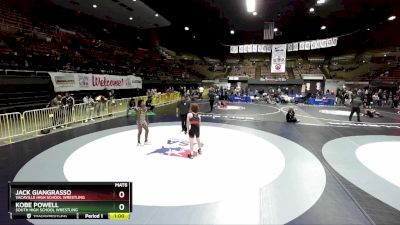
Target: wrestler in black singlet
{"x":194,"y":126}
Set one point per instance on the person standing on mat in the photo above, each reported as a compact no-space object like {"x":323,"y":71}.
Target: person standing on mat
{"x":356,"y":102}
{"x":193,"y":125}
{"x":142,"y":121}
{"x":211,"y":96}
{"x":182,"y":109}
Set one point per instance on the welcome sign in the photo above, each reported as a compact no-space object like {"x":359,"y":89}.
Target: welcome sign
{"x":63,"y":82}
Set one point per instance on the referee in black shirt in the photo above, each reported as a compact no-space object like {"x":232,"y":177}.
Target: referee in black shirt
{"x":182,"y":109}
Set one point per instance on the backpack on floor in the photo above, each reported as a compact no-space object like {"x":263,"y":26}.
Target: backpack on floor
{"x":45,"y":131}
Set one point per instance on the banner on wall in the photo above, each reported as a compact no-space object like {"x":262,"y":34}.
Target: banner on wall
{"x":249,"y":48}
{"x":290,"y":47}
{"x":278,"y":59}
{"x":63,"y":82}
{"x":269,"y":48}
{"x":307,"y":45}
{"x":240,"y":48}
{"x":234,"y":49}
{"x":313,"y":45}
{"x":259,"y":48}
{"x":302,"y":46}
{"x":295,"y":46}
{"x":255,"y":49}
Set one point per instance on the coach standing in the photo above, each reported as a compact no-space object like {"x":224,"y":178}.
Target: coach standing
{"x":182,"y":109}
{"x":211,"y":96}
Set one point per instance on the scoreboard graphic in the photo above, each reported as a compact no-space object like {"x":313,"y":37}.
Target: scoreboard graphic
{"x":70,"y":200}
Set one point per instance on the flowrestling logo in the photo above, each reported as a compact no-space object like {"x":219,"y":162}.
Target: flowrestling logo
{"x":173,"y":147}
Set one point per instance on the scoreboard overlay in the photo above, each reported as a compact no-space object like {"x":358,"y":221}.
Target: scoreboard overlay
{"x":70,"y":200}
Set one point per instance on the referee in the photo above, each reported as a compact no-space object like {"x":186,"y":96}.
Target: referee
{"x":182,"y":109}
{"x":355,"y":107}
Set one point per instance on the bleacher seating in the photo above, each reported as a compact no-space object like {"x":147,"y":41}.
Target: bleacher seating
{"x":302,"y":69}
{"x":46,"y":45}
{"x":12,"y":18}
{"x":393,"y":75}
{"x":243,"y":70}
{"x":267,"y":75}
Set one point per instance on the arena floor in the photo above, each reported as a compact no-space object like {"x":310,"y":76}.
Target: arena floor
{"x":256,"y":168}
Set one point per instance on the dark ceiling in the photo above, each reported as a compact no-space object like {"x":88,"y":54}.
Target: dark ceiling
{"x":211,"y":20}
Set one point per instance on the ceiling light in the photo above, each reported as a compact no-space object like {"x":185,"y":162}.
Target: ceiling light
{"x":94,"y":6}
{"x":232,"y":32}
{"x":323,"y":27}
{"x":194,"y":36}
{"x":251,"y":5}
{"x":254,"y":13}
{"x":134,"y":0}
{"x":320,"y":2}
{"x":186,"y":28}
{"x":156,"y":15}
{"x":384,"y":55}
{"x":392,"y":18}
{"x":312,"y":10}
{"x":368,"y":29}
{"x":130,"y":18}
{"x":275,"y":29}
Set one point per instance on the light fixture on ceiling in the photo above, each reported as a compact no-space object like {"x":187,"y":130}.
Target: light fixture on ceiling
{"x":368,"y":29}
{"x":255,"y":13}
{"x":320,"y":2}
{"x":384,"y":55}
{"x":251,"y":5}
{"x":275,"y":29}
{"x":156,"y":15}
{"x":94,"y":6}
{"x":134,"y":0}
{"x":232,"y":32}
{"x":312,"y":10}
{"x":194,"y":36}
{"x":392,"y":18}
{"x":130,"y":18}
{"x":186,"y":28}
{"x":323,"y":27}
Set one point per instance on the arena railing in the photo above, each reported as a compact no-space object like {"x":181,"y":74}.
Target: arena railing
{"x":33,"y":122}
{"x":11,"y":125}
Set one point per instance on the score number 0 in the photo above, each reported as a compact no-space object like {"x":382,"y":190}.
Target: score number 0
{"x":121,"y":194}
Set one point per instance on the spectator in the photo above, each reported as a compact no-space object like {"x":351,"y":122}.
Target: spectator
{"x":100,"y":104}
{"x":149,"y":104}
{"x":89,"y":101}
{"x":112,"y":104}
{"x":396,"y":99}
{"x":68,"y":101}
{"x":58,"y":117}
{"x":201,"y":90}
{"x":131,"y":106}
